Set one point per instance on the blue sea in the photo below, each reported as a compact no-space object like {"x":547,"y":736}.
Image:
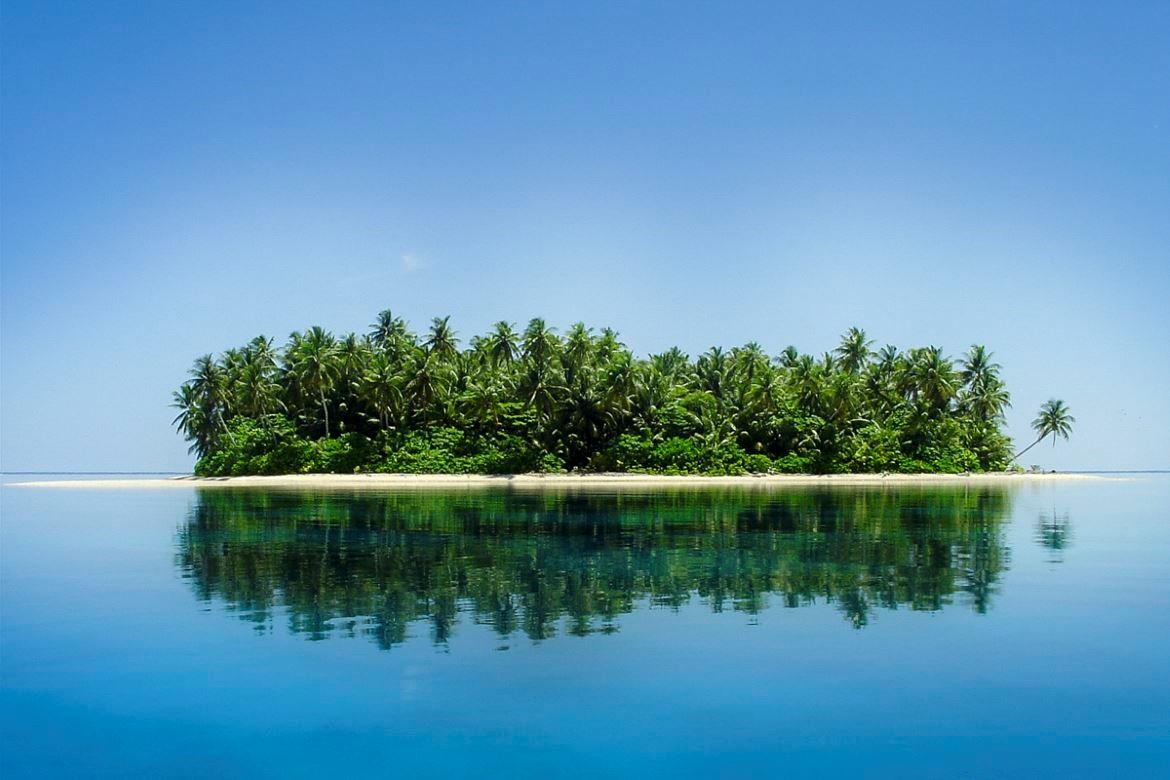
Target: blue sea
{"x":976,"y":630}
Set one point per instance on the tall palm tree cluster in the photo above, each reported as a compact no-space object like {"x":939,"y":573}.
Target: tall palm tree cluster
{"x":534,"y":399}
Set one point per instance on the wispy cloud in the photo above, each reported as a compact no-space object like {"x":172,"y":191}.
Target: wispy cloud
{"x":411,"y":263}
{"x":408,"y":263}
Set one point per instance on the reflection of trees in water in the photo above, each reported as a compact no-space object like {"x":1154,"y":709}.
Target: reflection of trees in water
{"x":1054,"y":533}
{"x":522,"y":562}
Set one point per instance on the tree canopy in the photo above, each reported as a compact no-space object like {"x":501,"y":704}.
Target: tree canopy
{"x":532,"y":399}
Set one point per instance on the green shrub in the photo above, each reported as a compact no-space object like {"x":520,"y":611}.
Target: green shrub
{"x":249,"y":446}
{"x":872,"y":449}
{"x":626,"y":453}
{"x":938,"y":444}
{"x":793,"y":464}
{"x":758,"y":464}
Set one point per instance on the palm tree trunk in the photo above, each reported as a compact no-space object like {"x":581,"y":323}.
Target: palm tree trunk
{"x":1030,"y":446}
{"x":223,"y":424}
{"x":325,"y":409}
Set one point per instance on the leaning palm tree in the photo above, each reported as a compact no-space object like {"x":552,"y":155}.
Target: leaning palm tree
{"x":1053,"y":420}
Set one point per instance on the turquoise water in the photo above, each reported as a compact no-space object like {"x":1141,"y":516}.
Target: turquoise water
{"x":989,"y":632}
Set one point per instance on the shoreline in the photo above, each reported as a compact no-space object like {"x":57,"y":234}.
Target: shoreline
{"x":413,"y":481}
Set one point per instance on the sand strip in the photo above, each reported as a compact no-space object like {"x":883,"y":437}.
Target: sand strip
{"x":411,"y":481}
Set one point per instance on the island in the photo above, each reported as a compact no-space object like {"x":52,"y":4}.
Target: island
{"x":538,"y":402}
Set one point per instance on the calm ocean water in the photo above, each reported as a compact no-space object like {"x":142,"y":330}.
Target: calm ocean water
{"x":972,"y":632}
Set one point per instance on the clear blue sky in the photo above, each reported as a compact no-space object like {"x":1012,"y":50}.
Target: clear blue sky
{"x":179,"y":177}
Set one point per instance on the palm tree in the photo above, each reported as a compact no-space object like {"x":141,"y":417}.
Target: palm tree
{"x":313,"y":360}
{"x":929,"y":378}
{"x":854,"y":350}
{"x":540,"y":343}
{"x":1053,"y":420}
{"x":673,"y":364}
{"x":210,"y":385}
{"x":748,"y":361}
{"x":381,"y":389}
{"x":502,"y":344}
{"x":484,"y":399}
{"x":540,"y":389}
{"x":984,"y":393}
{"x":652,"y":391}
{"x":429,"y":383}
{"x":258,"y":391}
{"x":712,"y":371}
{"x":882,"y":377}
{"x":608,"y":344}
{"x":987,"y":399}
{"x":618,"y":383}
{"x":766,"y":392}
{"x":888,"y":356}
{"x":978,"y":366}
{"x":788,"y":357}
{"x":806,"y":379}
{"x":578,"y":349}
{"x":192,"y":419}
{"x":442,"y":342}
{"x":386,"y":329}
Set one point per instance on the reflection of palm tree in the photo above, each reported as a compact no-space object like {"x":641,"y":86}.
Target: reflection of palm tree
{"x":1054,"y":532}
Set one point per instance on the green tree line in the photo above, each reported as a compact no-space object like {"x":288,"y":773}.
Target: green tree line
{"x":535,"y":400}
{"x":533,"y":563}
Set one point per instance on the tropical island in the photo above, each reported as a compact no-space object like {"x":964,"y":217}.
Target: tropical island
{"x":534,"y":401}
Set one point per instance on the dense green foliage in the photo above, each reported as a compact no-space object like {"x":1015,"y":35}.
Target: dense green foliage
{"x":521,"y":562}
{"x":538,"y":401}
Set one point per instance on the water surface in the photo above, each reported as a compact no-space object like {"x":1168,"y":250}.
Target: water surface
{"x":977,"y":631}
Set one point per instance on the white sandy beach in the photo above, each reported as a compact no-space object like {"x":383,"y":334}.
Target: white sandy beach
{"x":412,"y":481}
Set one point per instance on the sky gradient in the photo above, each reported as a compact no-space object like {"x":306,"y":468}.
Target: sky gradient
{"x":177,"y":178}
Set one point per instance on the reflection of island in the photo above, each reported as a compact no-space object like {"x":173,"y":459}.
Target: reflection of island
{"x":520,"y":561}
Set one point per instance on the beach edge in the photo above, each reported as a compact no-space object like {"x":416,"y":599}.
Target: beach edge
{"x":413,"y":481}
